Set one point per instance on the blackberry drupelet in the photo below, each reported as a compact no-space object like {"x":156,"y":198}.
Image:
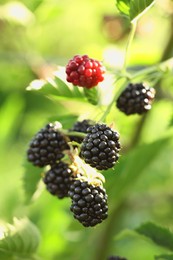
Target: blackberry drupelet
{"x":47,"y":146}
{"x":116,"y":258}
{"x":84,"y":71}
{"x":136,"y":99}
{"x":100,"y":148}
{"x":58,"y":179}
{"x":89,"y":203}
{"x":80,"y":126}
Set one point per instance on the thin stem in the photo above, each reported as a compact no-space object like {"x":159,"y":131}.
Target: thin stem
{"x":107,"y":111}
{"x":131,"y":36}
{"x":168,"y":64}
{"x":72,"y":133}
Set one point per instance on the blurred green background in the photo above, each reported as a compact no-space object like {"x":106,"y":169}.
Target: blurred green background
{"x":35,"y":37}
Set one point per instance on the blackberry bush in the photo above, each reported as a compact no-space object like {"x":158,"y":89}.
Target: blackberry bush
{"x":47,"y":146}
{"x":89,"y":203}
{"x":100,"y":148}
{"x":99,"y":145}
{"x":84,"y":71}
{"x":136,"y":99}
{"x":80,"y":126}
{"x":58,"y":179}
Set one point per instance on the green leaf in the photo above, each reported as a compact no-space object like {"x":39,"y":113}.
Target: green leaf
{"x":92,"y":95}
{"x":31,"y":178}
{"x":138,"y":7}
{"x":133,"y":8}
{"x":56,"y":87}
{"x":159,"y":235}
{"x":67,"y":90}
{"x":123,"y":6}
{"x":20,"y":240}
{"x":164,"y":257}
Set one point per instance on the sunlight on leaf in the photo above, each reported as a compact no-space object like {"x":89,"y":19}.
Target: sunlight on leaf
{"x":123,"y":6}
{"x":36,"y":84}
{"x":56,"y":86}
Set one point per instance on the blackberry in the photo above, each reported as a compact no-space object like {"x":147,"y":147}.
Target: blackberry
{"x":58,"y":179}
{"x":47,"y":146}
{"x":84,"y":71}
{"x":100,"y":148}
{"x":116,"y":258}
{"x":135,"y":99}
{"x":80,"y":126}
{"x":89,"y":203}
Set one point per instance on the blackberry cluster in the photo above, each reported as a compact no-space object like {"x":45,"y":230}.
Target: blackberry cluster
{"x":135,"y":99}
{"x":89,"y":203}
{"x":100,"y":148}
{"x":47,"y":146}
{"x":58,"y":179}
{"x":116,"y":258}
{"x":80,"y":126}
{"x":84,"y":71}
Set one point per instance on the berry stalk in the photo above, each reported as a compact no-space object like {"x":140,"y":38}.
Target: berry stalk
{"x":72,"y":133}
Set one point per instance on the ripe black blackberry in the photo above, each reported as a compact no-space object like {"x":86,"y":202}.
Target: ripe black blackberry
{"x":58,"y":179}
{"x":89,"y":203}
{"x":47,"y":146}
{"x":116,"y":258}
{"x":135,"y":99}
{"x":100,"y":148}
{"x":80,"y":126}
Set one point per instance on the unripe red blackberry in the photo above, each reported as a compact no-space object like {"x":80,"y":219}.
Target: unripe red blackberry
{"x":47,"y":146}
{"x":135,"y":99}
{"x":116,"y":258}
{"x":84,"y":71}
{"x":58,"y":179}
{"x":80,"y":126}
{"x":100,"y":148}
{"x":89,"y":203}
